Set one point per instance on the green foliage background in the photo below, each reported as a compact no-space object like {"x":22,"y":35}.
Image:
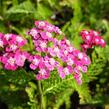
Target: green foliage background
{"x":19,"y":89}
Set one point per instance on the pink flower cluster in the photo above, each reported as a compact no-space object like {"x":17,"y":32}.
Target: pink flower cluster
{"x":91,"y":38}
{"x":58,"y":54}
{"x":11,"y":56}
{"x":42,"y":34}
{"x":50,"y":52}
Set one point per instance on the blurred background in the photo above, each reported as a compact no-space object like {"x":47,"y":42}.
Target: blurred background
{"x":72,"y":16}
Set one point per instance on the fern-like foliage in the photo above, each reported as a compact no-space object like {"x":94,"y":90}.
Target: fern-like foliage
{"x":60,"y":90}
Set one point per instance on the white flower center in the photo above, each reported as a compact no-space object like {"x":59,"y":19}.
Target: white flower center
{"x":52,"y":61}
{"x":86,"y":32}
{"x":86,"y":59}
{"x":42,"y":71}
{"x":35,"y":61}
{"x":56,"y":50}
{"x":95,"y":33}
{"x":41,"y":23}
{"x":88,"y":37}
{"x":19,"y":39}
{"x":102,"y":41}
{"x":96,"y":40}
{"x":85,"y":46}
{"x":66,"y":71}
{"x":68,"y":42}
{"x":11,"y":61}
{"x":7,"y":36}
{"x":65,"y":52}
{"x":70,"y":49}
{"x":33,"y":32}
{"x":80,"y":55}
{"x":70,"y":61}
{"x":13,"y":47}
{"x":49,"y":34}
{"x":23,"y":57}
{"x":43,"y":44}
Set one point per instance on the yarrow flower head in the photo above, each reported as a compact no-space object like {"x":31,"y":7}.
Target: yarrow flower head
{"x":11,"y":55}
{"x":58,"y":53}
{"x":11,"y":42}
{"x":91,"y":38}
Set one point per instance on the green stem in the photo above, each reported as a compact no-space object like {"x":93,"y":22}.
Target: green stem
{"x":42,"y":104}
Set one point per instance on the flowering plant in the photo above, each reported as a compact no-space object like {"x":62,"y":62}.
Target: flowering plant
{"x":51,"y":52}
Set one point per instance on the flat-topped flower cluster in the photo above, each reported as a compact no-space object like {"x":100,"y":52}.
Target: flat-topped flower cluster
{"x":11,"y":56}
{"x":90,"y":39}
{"x":51,"y":52}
